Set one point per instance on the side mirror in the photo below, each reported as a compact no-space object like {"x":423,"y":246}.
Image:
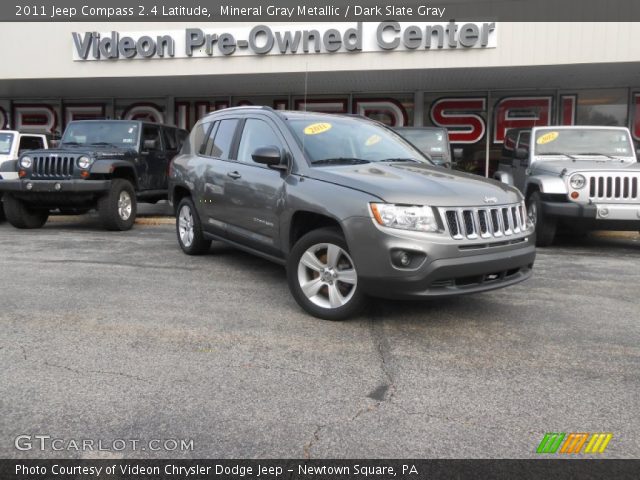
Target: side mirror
{"x":149,"y":145}
{"x":504,"y":177}
{"x":457,"y":154}
{"x":638,"y":153}
{"x":271,"y":156}
{"x":522,"y":153}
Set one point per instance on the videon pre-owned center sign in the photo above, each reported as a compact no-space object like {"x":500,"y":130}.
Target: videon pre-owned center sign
{"x":265,"y":40}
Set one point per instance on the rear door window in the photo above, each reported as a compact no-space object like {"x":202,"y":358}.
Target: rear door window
{"x":221,"y":139}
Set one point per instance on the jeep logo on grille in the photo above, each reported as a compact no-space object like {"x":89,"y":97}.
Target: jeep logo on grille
{"x":490,"y":200}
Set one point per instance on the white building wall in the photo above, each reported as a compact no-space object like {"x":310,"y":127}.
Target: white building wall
{"x":44,"y":50}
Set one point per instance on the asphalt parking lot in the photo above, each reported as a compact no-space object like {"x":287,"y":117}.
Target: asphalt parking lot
{"x":121,"y":336}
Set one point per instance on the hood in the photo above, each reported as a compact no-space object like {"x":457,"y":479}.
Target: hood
{"x":94,"y":151}
{"x":556,"y":167}
{"x":418,"y":184}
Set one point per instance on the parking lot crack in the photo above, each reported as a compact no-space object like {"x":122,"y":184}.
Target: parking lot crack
{"x":99,"y":372}
{"x":384,"y":392}
{"x":314,"y":439}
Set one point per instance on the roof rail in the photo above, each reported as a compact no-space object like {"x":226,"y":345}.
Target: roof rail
{"x":243,"y":107}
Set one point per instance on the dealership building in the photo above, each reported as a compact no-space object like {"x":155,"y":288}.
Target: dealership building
{"x":478,"y":79}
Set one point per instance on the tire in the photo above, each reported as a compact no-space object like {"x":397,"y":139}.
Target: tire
{"x":545,"y":225}
{"x":2,"y":215}
{"x":22,"y":216}
{"x":331,"y":284}
{"x":118,"y":208}
{"x":189,"y":229}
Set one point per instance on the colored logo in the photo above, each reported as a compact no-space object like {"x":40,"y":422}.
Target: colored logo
{"x":574,"y":443}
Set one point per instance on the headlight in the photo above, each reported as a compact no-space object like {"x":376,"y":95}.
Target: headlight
{"x":25,"y":162}
{"x":84,"y":162}
{"x":405,"y":217}
{"x":577,"y":182}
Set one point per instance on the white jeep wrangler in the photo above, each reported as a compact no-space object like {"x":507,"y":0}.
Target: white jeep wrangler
{"x":580,"y":178}
{"x":12,"y":144}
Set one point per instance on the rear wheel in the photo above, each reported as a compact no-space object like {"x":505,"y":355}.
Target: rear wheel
{"x":545,"y":225}
{"x":189,"y":229}
{"x":322,"y":276}
{"x":20,"y":215}
{"x":2,"y":215}
{"x":118,"y":208}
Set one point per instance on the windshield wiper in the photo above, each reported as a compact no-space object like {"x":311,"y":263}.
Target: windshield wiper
{"x":70,"y":143}
{"x":339,"y":160}
{"x":106,"y":144}
{"x":399,"y":159}
{"x":558,"y":153}
{"x":597,"y":153}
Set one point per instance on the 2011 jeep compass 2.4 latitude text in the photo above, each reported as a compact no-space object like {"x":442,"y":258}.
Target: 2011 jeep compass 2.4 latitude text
{"x":348,"y":206}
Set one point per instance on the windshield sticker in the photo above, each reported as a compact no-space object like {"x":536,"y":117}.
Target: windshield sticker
{"x":547,"y":138}
{"x":316,"y":128}
{"x":127,"y":140}
{"x":372,"y":140}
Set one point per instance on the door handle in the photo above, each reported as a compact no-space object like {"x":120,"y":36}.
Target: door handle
{"x":234,"y":175}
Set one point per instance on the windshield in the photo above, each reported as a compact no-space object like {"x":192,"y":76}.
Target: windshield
{"x":118,"y":134}
{"x":6,"y":139}
{"x":583,"y":141}
{"x":345,"y":140}
{"x":432,"y":142}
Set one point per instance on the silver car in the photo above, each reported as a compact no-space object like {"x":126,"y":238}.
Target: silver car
{"x":349,"y":207}
{"x":579,"y":178}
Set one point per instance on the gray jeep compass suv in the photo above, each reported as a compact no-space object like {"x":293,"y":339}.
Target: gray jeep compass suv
{"x":348,"y":206}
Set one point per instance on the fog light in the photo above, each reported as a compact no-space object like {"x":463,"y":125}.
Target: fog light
{"x":29,"y":186}
{"x":407,"y":258}
{"x":57,"y":186}
{"x":574,"y":195}
{"x":604,"y":212}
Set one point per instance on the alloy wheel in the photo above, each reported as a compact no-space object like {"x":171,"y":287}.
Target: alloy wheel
{"x":327,"y":275}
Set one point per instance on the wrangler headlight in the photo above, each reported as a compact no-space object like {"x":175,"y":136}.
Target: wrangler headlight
{"x":25,"y":162}
{"x":84,"y":162}
{"x":420,"y":218}
{"x":577,"y":182}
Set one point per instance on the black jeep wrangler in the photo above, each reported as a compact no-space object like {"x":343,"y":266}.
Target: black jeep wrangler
{"x":103,"y":164}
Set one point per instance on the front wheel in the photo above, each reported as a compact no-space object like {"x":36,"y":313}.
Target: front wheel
{"x":322,"y":276}
{"x":545,"y":225}
{"x":189,"y":229}
{"x":20,"y":215}
{"x":118,"y":208}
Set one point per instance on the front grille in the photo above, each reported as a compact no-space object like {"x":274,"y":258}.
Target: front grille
{"x":53,"y":166}
{"x":484,"y":222}
{"x":615,"y":187}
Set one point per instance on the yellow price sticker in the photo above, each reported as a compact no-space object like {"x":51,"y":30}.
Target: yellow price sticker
{"x":547,"y":138}
{"x":372,"y":140}
{"x":316,"y":128}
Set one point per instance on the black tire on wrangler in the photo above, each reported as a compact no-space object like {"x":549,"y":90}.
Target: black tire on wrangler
{"x":2,"y":215}
{"x":189,"y":229}
{"x":322,"y":276}
{"x":20,"y":215}
{"x":545,"y":225}
{"x":118,"y":208}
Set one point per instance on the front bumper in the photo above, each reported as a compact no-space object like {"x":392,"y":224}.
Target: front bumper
{"x":449,"y":267}
{"x":605,"y":216}
{"x":61,"y":187}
